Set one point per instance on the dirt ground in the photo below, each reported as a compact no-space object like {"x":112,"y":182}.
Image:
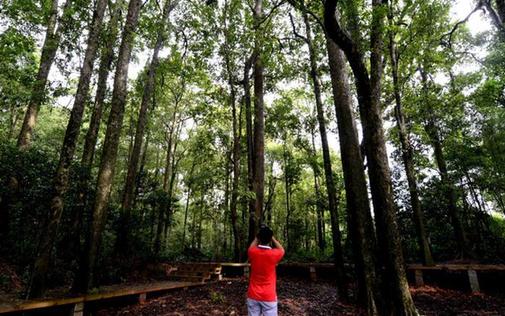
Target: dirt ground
{"x":300,"y":297}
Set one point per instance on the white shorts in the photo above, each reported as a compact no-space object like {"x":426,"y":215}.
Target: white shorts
{"x":257,"y":308}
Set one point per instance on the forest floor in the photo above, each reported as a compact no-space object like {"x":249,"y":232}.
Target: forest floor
{"x":301,"y":297}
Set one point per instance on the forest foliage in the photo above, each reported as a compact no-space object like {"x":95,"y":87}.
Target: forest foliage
{"x":181,"y":140}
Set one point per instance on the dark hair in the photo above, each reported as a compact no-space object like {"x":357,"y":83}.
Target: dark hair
{"x":265,"y":235}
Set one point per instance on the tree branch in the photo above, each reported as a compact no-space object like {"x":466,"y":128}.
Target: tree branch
{"x":448,"y":43}
{"x":271,"y":12}
{"x":298,"y":35}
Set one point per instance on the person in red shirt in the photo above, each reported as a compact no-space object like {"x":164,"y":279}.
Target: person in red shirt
{"x":262,"y":292}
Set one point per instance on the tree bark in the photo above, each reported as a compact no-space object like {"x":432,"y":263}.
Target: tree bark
{"x":398,"y":299}
{"x":408,"y":157}
{"x":107,"y":57}
{"x":359,"y":217}
{"x":60,"y":186}
{"x":259,"y":121}
{"x":236,"y":147}
{"x":110,"y":148}
{"x":129,"y":187}
{"x":51,"y":43}
{"x":330,"y":184}
{"x":287,"y":187}
{"x":236,"y":166}
{"x":249,"y":139}
{"x":321,"y":242}
{"x":187,"y":206}
{"x":270,"y":196}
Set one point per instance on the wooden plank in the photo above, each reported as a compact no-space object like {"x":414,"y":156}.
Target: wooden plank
{"x":31,"y":305}
{"x":308,"y":265}
{"x":459,"y":267}
{"x":232,"y":264}
{"x":490,"y":267}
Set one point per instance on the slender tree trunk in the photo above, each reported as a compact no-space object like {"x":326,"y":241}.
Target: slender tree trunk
{"x":129,"y":187}
{"x":88,"y":153}
{"x":259,"y":120}
{"x":454,"y":213}
{"x":110,"y":148}
{"x":270,"y":196}
{"x":159,"y":229}
{"x":200,"y":220}
{"x":235,"y":152}
{"x":236,"y":166}
{"x":141,"y":173}
{"x":48,"y":238}
{"x":287,"y":187}
{"x":250,"y":142}
{"x":107,"y":57}
{"x":13,"y":121}
{"x":451,"y":195}
{"x":408,"y":157}
{"x":321,"y":242}
{"x":190,"y":183}
{"x":330,"y":184}
{"x":173,"y":176}
{"x":398,"y":300}
{"x":49,"y":48}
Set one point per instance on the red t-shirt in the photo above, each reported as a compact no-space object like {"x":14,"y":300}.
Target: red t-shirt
{"x":262,"y":282}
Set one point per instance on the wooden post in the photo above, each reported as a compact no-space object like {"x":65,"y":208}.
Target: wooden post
{"x":142,"y":298}
{"x":474,"y":281}
{"x":419,"y":277}
{"x":78,"y":309}
{"x":313,"y":276}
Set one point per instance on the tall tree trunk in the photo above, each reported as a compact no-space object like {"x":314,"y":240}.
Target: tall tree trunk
{"x":129,"y":187}
{"x":452,"y":198}
{"x":259,"y":120}
{"x":330,"y":184}
{"x":187,"y":207}
{"x":110,"y":147}
{"x":408,"y":156}
{"x":159,"y":229}
{"x":321,"y":242}
{"x":173,"y":176}
{"x":107,"y":57}
{"x":398,"y":299}
{"x":287,"y":187}
{"x":236,"y":165}
{"x":49,"y":48}
{"x":250,"y":141}
{"x":60,"y":186}
{"x":270,"y":197}
{"x":141,"y":173}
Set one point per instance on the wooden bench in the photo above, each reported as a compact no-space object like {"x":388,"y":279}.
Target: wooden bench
{"x":77,"y":303}
{"x":311,"y":266}
{"x":196,"y":272}
{"x":471,"y":270}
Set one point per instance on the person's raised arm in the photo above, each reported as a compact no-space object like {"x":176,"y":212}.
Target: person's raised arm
{"x":277,"y":244}
{"x":254,"y":243}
